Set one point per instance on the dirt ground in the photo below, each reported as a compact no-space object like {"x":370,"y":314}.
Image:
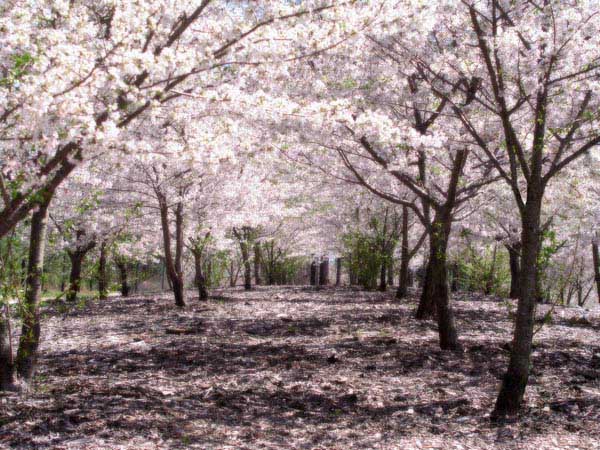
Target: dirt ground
{"x":279,"y":368}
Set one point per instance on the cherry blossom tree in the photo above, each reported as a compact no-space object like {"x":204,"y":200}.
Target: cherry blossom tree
{"x":533,"y":114}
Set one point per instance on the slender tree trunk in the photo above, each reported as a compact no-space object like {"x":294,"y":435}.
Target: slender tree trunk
{"x":313,"y":273}
{"x":102,"y":273}
{"x":324,"y":272}
{"x":7,"y":367}
{"x":247,"y":267}
{"x":162,"y":274}
{"x":596,"y":257}
{"x":383,"y":277}
{"x":123,"y":276}
{"x":514,"y":256}
{"x":27,"y":352}
{"x":63,"y":280}
{"x":402,"y":291}
{"x":76,"y":258}
{"x":173,"y":266}
{"x":257,"y":264}
{"x":200,"y":280}
{"x":338,"y":271}
{"x":515,"y":380}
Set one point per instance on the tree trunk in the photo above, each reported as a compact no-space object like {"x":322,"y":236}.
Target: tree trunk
{"x":173,"y":266}
{"x":313,"y":273}
{"x":441,"y":298}
{"x":102,"y":273}
{"x":123,"y":276}
{"x":324,"y":272}
{"x":338,"y":271}
{"x":436,"y":293}
{"x":200,"y":280}
{"x":76,"y":258}
{"x":178,"y":281}
{"x":402,"y":291}
{"x":515,"y":380}
{"x":596,"y":256}
{"x":7,"y":368}
{"x":383,"y":277}
{"x":30,"y":330}
{"x":247,"y":266}
{"x":514,"y":255}
{"x":257,"y":264}
{"x":426,"y":309}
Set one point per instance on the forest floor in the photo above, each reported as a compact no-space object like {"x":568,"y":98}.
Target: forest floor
{"x":279,"y":368}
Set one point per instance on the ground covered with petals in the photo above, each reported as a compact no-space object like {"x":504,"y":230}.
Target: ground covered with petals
{"x":296,"y":368}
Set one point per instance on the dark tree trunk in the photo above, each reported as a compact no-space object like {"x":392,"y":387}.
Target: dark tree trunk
{"x":200,"y":279}
{"x":123,"y":277}
{"x":7,"y":368}
{"x":383,"y":277}
{"x":390,"y":269}
{"x":178,"y":281}
{"x":257,"y":264}
{"x":174,"y":272}
{"x":402,"y":291}
{"x":63,"y":280}
{"x":596,"y":258}
{"x":426,"y":309}
{"x":441,"y":295}
{"x":515,"y":380}
{"x":514,"y":256}
{"x":26,"y":362}
{"x":102,"y":273}
{"x":247,"y":267}
{"x":436,"y":295}
{"x":313,"y":273}
{"x":324,"y":272}
{"x":76,"y":258}
{"x":338,"y":271}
